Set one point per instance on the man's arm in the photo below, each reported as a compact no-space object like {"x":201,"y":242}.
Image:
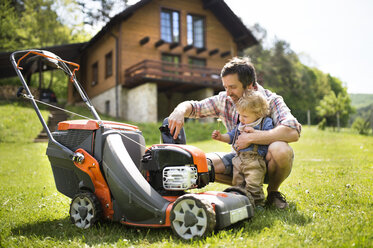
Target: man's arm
{"x":279,"y":133}
{"x":176,"y":118}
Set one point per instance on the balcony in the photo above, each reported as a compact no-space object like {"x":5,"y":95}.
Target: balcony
{"x":171,"y":76}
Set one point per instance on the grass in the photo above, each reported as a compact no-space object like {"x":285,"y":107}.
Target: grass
{"x":19,"y":122}
{"x":329,"y":190}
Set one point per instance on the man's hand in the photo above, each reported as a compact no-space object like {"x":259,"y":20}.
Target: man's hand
{"x":175,"y":122}
{"x":248,"y":129}
{"x":243,"y":140}
{"x":176,"y":118}
{"x":216,"y":135}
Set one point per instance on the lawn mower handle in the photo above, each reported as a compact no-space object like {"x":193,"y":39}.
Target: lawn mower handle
{"x":36,"y":108}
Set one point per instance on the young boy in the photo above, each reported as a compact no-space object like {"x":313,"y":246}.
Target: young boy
{"x":249,"y":167}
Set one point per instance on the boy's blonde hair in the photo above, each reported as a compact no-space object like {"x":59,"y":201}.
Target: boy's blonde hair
{"x":253,"y":101}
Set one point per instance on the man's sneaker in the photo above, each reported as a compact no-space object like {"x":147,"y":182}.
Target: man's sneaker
{"x":277,"y":200}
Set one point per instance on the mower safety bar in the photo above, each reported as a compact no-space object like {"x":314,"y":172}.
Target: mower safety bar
{"x":36,"y":108}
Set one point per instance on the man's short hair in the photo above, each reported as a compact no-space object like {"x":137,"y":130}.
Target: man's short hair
{"x":244,"y":69}
{"x":254,"y":102}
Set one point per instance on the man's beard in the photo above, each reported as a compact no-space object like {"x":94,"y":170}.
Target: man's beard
{"x":234,"y":98}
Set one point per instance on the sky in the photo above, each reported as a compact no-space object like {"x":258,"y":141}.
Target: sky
{"x":335,"y":36}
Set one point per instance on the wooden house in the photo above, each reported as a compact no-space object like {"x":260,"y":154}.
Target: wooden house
{"x":157,"y":53}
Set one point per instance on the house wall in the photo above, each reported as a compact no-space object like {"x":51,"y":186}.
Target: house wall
{"x":97,"y":53}
{"x":145,"y":22}
{"x":141,"y":103}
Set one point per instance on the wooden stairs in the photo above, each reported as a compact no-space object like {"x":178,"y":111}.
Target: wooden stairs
{"x":55,"y":117}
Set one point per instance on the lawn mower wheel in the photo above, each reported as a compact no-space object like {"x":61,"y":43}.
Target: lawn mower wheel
{"x":85,"y":210}
{"x":192,"y":217}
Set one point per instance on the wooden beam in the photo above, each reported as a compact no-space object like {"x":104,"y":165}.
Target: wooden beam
{"x":144,"y":40}
{"x":200,"y":50}
{"x":173,"y":45}
{"x":187,"y":48}
{"x":225,"y":54}
{"x":159,"y":43}
{"x":215,"y":51}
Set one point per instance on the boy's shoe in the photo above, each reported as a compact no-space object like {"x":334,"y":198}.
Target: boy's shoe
{"x":277,"y":200}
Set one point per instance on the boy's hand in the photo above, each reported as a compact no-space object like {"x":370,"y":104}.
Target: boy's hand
{"x":216,"y":135}
{"x":248,"y":129}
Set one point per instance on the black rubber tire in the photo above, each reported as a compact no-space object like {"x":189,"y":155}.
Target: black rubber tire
{"x":85,"y":210}
{"x":192,"y":217}
{"x":241,"y":191}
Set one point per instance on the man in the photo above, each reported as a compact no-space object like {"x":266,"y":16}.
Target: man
{"x":237,"y":76}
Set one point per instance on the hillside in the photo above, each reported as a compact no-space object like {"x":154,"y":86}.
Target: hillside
{"x":361,"y":100}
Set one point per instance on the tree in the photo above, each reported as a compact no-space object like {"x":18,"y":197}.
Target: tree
{"x":8,"y":23}
{"x":33,"y":23}
{"x":28,"y":24}
{"x":100,"y":11}
{"x":280,"y":70}
{"x":332,"y":106}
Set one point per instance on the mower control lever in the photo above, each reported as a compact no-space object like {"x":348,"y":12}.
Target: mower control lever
{"x":19,"y":91}
{"x":78,"y":158}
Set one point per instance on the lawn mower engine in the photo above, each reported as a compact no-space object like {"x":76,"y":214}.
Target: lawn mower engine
{"x":173,"y":167}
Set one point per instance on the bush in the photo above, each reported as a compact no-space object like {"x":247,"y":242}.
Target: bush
{"x":361,"y":125}
{"x":322,"y":124}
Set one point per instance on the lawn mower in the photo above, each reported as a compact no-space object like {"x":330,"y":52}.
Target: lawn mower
{"x":109,"y":173}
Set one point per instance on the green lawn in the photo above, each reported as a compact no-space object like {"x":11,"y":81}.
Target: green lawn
{"x":19,"y":122}
{"x":329,"y":190}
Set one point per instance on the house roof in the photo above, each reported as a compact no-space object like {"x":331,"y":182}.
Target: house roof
{"x":241,"y":34}
{"x":69,"y":52}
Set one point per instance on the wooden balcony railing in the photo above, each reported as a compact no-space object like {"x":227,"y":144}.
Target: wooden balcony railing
{"x":166,"y":72}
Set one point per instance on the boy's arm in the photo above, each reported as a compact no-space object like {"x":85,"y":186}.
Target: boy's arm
{"x":225,"y":138}
{"x":216,"y":135}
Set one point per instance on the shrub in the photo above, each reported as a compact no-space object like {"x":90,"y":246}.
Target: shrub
{"x":322,"y":124}
{"x":361,"y":125}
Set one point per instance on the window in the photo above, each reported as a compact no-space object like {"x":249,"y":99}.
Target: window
{"x":171,"y":58}
{"x":109,"y":64}
{"x":171,"y":68}
{"x":170,"y":26}
{"x":107,"y":107}
{"x":94,"y":74}
{"x":196,"y":31}
{"x":197,"y":62}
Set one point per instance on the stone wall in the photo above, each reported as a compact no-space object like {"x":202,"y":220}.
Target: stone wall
{"x":8,"y":92}
{"x":141,"y":103}
{"x":105,"y":102}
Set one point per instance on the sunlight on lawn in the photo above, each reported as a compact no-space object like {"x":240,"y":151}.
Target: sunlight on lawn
{"x":329,"y":191}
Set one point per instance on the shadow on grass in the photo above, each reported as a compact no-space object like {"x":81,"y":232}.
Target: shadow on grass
{"x":266,"y":218}
{"x":103,"y":232}
{"x":111,"y":232}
